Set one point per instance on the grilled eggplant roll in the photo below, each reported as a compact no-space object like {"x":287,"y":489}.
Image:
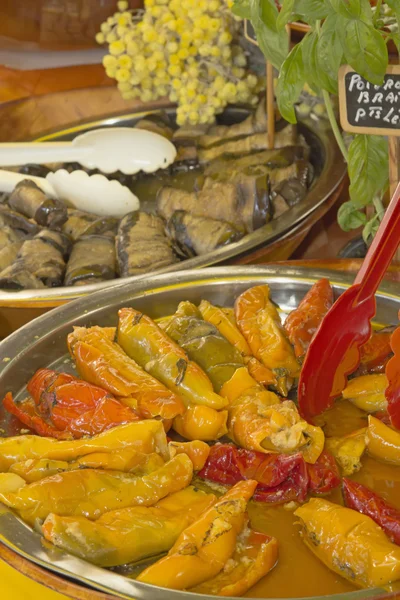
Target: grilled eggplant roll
{"x":193,"y":236}
{"x":8,"y":236}
{"x":273,"y":159}
{"x":256,"y":122}
{"x":9,"y":253}
{"x":81,"y":223}
{"x":17,"y":221}
{"x":157,"y":123}
{"x":40,"y":262}
{"x":292,"y":191}
{"x":92,"y":259}
{"x":142,"y":244}
{"x":245,"y":145}
{"x":29,"y":199}
{"x":244,"y":204}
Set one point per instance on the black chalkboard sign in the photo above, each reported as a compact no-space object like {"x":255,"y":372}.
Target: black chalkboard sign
{"x":249,"y":32}
{"x":368,"y":108}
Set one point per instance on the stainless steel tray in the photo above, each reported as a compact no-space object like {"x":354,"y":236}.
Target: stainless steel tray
{"x":43,"y":343}
{"x":329,"y":167}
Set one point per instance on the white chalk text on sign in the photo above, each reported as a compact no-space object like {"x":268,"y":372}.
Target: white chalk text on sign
{"x":369,"y":108}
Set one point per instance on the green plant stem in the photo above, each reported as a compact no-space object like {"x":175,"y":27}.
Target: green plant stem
{"x":377,"y":10}
{"x":334,"y":125}
{"x":378,"y":205}
{"x":331,"y":113}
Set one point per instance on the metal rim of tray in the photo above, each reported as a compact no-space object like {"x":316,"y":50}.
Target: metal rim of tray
{"x":15,"y":534}
{"x":328,"y":180}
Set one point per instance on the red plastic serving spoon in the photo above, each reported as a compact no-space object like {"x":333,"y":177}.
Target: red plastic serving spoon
{"x":334,"y":352}
{"x":392,"y":371}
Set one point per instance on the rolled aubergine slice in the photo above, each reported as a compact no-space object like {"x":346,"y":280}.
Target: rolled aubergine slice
{"x":39,"y":261}
{"x":243,"y":204}
{"x":80,"y":223}
{"x":142,"y":244}
{"x":29,"y":199}
{"x":272,"y":159}
{"x":160,"y":356}
{"x":131,"y":534}
{"x":17,"y":221}
{"x":157,"y":123}
{"x":92,"y":259}
{"x":8,"y":236}
{"x":194,"y":236}
{"x":245,"y":145}
{"x":9,"y":254}
{"x":255,"y":122}
{"x":204,"y":344}
{"x":291,"y":191}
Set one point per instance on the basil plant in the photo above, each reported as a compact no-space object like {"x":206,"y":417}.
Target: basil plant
{"x":340,"y":32}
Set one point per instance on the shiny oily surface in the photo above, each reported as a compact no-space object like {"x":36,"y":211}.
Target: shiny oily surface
{"x":329,"y":170}
{"x":287,"y":578}
{"x":42,"y":343}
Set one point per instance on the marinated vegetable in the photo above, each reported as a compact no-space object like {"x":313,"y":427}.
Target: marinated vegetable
{"x":92,"y":492}
{"x":349,"y":543}
{"x":367,"y":392}
{"x":193,"y":235}
{"x":302,"y":323}
{"x":130,"y":493}
{"x":28,"y":199}
{"x":128,"y":534}
{"x":362,"y":499}
{"x":141,"y":244}
{"x":92,"y":259}
{"x":211,"y":541}
{"x":63,"y":403}
{"x":101,"y":361}
{"x":259,"y":322}
{"x":143,"y":436}
{"x":146,"y":343}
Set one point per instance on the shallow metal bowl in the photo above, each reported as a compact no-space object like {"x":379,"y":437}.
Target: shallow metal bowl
{"x":329,"y":171}
{"x":42,"y":343}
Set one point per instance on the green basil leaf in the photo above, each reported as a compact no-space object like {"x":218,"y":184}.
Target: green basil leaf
{"x":329,"y":55}
{"x":285,"y":14}
{"x":350,"y":217}
{"x":312,"y":73}
{"x":364,"y":48}
{"x":274,"y":44}
{"x":394,"y":5}
{"x":311,"y":10}
{"x":396,"y":39}
{"x":268,"y":13}
{"x":241,"y":8}
{"x":353,"y":9}
{"x":368,"y":168}
{"x":290,"y":83}
{"x":370,"y":229}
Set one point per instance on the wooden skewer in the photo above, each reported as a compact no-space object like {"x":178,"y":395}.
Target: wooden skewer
{"x":270,"y":100}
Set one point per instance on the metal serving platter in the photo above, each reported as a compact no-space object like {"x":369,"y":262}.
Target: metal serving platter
{"x":42,"y":343}
{"x":329,"y":172}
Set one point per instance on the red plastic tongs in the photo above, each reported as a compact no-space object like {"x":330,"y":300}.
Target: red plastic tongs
{"x":334,"y":352}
